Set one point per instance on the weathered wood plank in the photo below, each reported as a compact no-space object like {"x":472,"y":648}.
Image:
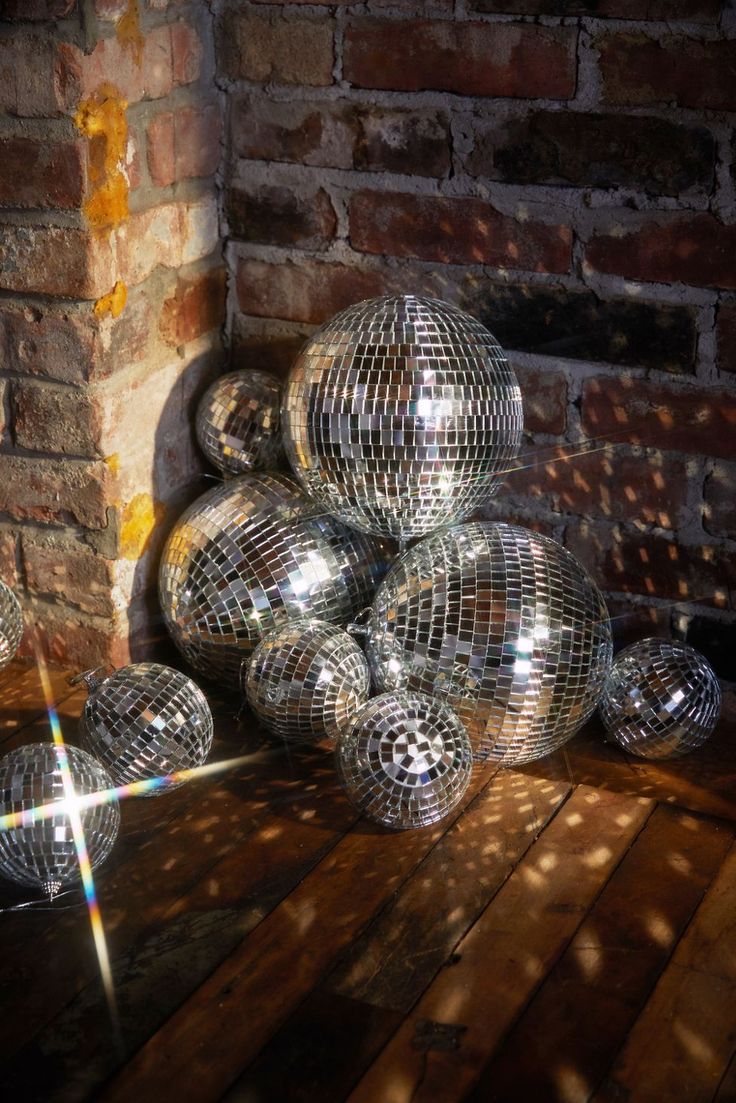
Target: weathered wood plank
{"x":215,"y":1034}
{"x":682,"y":1043}
{"x":566,"y":1039}
{"x":398,"y":955}
{"x":441,"y":1048}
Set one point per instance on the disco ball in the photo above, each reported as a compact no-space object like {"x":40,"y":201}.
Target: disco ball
{"x":306,"y":680}
{"x":252,"y":554}
{"x":401,"y":415}
{"x":146,"y":720}
{"x":238,"y":421}
{"x":11,"y":624}
{"x":503,"y":624}
{"x":43,"y":855}
{"x":660,"y":699}
{"x":405,"y":760}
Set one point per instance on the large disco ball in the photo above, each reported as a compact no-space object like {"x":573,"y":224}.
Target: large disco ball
{"x":405,"y":761}
{"x":252,"y":554}
{"x":43,"y":855}
{"x":146,"y":720}
{"x":503,"y":624}
{"x":306,"y":680}
{"x":237,"y":422}
{"x":11,"y":624}
{"x":661,"y":699}
{"x":400,"y":415}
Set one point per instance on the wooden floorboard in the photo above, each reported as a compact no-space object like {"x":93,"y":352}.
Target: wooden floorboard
{"x":568,"y":935}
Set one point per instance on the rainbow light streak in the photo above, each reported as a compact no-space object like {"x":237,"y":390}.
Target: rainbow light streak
{"x":72,"y":810}
{"x":12,"y":820}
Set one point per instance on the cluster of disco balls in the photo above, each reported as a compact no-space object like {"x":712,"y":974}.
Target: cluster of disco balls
{"x":352,"y":599}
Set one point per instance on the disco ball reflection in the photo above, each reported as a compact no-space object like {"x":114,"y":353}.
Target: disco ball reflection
{"x":505,"y":626}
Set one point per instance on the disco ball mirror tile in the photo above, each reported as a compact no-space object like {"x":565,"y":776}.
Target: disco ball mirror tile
{"x":237,"y":422}
{"x":11,"y":624}
{"x":401,"y":414}
{"x":43,"y":855}
{"x":252,"y":554}
{"x":405,"y":761}
{"x":503,"y":624}
{"x":146,"y":720}
{"x":661,"y":699}
{"x":306,"y":680}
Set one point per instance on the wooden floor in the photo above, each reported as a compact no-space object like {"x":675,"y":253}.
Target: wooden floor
{"x":570,"y":934}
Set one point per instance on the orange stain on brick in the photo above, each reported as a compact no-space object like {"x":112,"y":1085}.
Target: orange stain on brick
{"x":128,"y":31}
{"x":140,"y":517}
{"x":113,"y":303}
{"x":113,"y":462}
{"x":103,"y":122}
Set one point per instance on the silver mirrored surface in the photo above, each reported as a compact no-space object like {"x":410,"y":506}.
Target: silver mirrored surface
{"x":661,"y":699}
{"x":405,"y":761}
{"x":237,"y":422}
{"x":252,"y":554}
{"x":306,"y":680}
{"x":399,"y":415}
{"x":11,"y":624}
{"x":43,"y":856}
{"x":147,"y":720}
{"x":503,"y":624}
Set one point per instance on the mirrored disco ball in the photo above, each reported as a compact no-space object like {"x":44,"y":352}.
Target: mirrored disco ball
{"x":306,"y":680}
{"x":237,"y":421}
{"x":661,"y":699}
{"x":252,"y":554}
{"x":43,"y":855}
{"x":401,"y":414}
{"x":11,"y":624}
{"x":405,"y":761}
{"x":146,"y":720}
{"x":503,"y":624}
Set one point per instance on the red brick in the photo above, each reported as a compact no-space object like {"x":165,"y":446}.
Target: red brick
{"x":8,"y":558}
{"x":196,"y":307}
{"x":678,"y":70}
{"x":36,"y":9}
{"x":693,"y":11}
{"x":111,"y":9}
{"x":545,"y":400}
{"x":187,"y":53}
{"x":473,"y":59}
{"x":197,"y":141}
{"x":267,"y":352}
{"x":57,"y":419}
{"x":695,"y":249}
{"x":413,"y":142}
{"x":454,"y":231}
{"x":295,"y":131}
{"x":307,"y":293}
{"x":150,"y":77}
{"x":277,"y":215}
{"x":160,"y":149}
{"x":133,"y":160}
{"x":633,"y":622}
{"x":54,"y":260}
{"x":37,"y":77}
{"x":639,"y":411}
{"x":55,"y":491}
{"x":65,"y":569}
{"x":726,"y":331}
{"x":613,"y":484}
{"x":271,"y":49}
{"x":720,"y":501}
{"x":73,"y":642}
{"x":654,"y":566}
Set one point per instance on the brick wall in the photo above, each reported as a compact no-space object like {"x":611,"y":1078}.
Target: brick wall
{"x":563,"y":170}
{"x":112,"y":296}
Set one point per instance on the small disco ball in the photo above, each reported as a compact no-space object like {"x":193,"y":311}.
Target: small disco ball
{"x":405,"y":761}
{"x":306,"y":680}
{"x":661,"y":699}
{"x":43,"y":855}
{"x":11,"y":625}
{"x":237,"y":422}
{"x":252,"y":554}
{"x":503,"y":624}
{"x":401,"y":415}
{"x":144,"y":721}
